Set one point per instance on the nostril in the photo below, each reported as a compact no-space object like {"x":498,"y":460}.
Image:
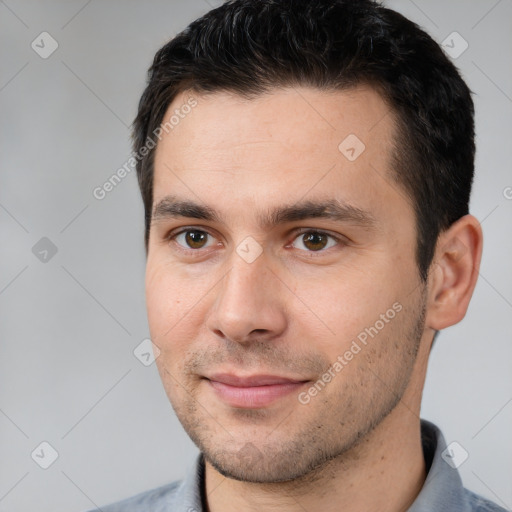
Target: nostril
{"x":259,"y":331}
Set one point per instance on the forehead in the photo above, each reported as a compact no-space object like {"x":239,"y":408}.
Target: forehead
{"x":302,"y":118}
{"x":294,"y":142}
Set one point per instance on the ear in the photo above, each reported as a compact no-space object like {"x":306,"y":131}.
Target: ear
{"x":454,"y":272}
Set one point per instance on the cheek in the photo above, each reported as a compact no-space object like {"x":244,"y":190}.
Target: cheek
{"x":161,"y":298}
{"x":173,"y":303}
{"x":336,"y":306}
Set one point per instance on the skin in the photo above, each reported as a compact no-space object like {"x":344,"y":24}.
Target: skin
{"x":294,"y":310}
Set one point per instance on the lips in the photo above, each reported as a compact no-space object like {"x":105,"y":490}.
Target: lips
{"x":255,"y":380}
{"x":254,"y":391}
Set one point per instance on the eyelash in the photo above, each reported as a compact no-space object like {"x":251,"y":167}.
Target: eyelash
{"x":171,"y":237}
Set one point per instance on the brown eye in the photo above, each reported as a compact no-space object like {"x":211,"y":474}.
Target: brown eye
{"x":192,"y":239}
{"x":314,"y":241}
{"x":196,"y":239}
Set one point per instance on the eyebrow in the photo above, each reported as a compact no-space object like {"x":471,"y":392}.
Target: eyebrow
{"x":171,"y":207}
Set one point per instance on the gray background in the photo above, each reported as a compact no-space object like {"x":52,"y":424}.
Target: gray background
{"x":69,"y":324}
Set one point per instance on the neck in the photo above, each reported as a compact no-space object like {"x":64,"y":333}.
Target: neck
{"x":384,"y":472}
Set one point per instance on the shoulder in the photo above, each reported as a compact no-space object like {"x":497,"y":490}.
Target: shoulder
{"x":154,"y":500}
{"x":185,"y":494}
{"x":478,"y":503}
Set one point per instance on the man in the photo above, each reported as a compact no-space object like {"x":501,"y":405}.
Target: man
{"x":306,"y":170}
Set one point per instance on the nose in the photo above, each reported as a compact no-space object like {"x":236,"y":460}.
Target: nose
{"x":249,"y":302}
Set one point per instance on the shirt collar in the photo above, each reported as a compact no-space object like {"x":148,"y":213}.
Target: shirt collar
{"x":442,"y":491}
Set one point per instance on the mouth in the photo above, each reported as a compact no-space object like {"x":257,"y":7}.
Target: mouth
{"x":252,"y":392}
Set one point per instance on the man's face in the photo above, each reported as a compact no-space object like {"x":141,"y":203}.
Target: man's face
{"x":248,"y":293}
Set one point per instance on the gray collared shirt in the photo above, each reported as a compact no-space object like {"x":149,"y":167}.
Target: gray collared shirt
{"x":442,"y":491}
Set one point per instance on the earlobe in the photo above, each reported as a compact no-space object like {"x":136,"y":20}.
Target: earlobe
{"x":454,"y":272}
